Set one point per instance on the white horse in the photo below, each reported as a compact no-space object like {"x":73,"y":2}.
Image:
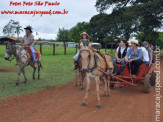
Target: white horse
{"x":23,"y":59}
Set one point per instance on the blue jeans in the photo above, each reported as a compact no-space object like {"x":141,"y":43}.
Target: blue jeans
{"x":77,"y":56}
{"x":122,"y":65}
{"x":33,"y":53}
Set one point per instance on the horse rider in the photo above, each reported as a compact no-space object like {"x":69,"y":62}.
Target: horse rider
{"x":28,"y":41}
{"x":85,"y":40}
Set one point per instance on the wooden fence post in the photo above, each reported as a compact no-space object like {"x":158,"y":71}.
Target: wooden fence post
{"x":41,"y":48}
{"x":111,"y":47}
{"x":99,"y":48}
{"x":76,"y":46}
{"x":6,"y":44}
{"x":65,"y":49}
{"x":105,"y":47}
{"x":53,"y":49}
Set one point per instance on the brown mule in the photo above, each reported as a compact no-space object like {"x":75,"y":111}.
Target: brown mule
{"x":91,"y":65}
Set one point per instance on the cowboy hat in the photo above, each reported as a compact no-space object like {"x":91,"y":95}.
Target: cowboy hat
{"x":135,"y":42}
{"x":84,"y":33}
{"x":28,"y":28}
{"x":129,"y":42}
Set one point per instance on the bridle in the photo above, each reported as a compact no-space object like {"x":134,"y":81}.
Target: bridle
{"x":95,"y":60}
{"x":8,"y":51}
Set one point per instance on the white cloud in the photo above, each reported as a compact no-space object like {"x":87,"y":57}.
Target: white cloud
{"x":44,"y":35}
{"x":47,"y":26}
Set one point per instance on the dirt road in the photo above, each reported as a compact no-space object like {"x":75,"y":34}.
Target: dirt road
{"x":63,"y":105}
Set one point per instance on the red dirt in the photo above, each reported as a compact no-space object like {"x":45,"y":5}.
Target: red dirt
{"x":8,"y":70}
{"x":63,"y":105}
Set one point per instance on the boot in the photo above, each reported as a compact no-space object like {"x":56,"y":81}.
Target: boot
{"x":121,"y":70}
{"x":115,"y":71}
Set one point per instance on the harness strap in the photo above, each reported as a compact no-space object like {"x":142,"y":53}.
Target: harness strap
{"x":92,"y":68}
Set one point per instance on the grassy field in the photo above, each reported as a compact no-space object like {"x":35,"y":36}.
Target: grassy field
{"x":57,"y":71}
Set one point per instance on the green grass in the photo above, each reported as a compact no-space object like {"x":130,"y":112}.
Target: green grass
{"x":57,"y":71}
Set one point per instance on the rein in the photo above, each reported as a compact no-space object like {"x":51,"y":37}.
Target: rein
{"x":14,"y":53}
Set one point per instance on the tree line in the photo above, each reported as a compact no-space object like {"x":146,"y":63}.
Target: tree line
{"x":139,"y":18}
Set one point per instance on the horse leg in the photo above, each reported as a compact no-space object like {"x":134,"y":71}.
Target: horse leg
{"x":80,"y":78}
{"x":86,"y":94}
{"x":81,"y":82}
{"x":76,"y":79}
{"x":17,"y":83}
{"x":98,"y":92}
{"x":38,"y":71}
{"x":24,"y":75}
{"x":106,"y":87}
{"x":34,"y":73}
{"x":108,"y":82}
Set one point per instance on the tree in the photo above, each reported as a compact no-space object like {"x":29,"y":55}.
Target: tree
{"x":74,"y":32}
{"x":8,"y":29}
{"x":134,"y":16}
{"x":12,"y":28}
{"x":63,"y":35}
{"x":99,"y":27}
{"x":18,"y":28}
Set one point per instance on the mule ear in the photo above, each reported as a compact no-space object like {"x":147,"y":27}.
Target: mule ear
{"x":81,"y":44}
{"x":90,"y":44}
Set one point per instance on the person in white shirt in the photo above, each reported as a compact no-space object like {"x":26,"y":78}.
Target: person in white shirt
{"x":145,"y":54}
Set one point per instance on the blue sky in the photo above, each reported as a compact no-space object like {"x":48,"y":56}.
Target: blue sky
{"x":47,"y":26}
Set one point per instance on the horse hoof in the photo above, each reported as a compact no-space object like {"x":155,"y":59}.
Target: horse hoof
{"x":81,"y":88}
{"x":76,"y":85}
{"x":24,"y":82}
{"x":83,"y":104}
{"x":33,"y":78}
{"x":99,"y":106}
{"x":104,"y":95}
{"x":17,"y":84}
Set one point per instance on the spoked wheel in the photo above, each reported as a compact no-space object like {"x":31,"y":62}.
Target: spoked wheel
{"x":147,"y":84}
{"x":153,"y":78}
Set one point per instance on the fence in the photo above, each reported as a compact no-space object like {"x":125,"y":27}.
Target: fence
{"x":76,"y":47}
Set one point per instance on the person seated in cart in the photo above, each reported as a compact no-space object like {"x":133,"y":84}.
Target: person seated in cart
{"x":119,"y":56}
{"x":150,"y":52}
{"x":145,"y":54}
{"x":85,"y":40}
{"x":134,"y":57}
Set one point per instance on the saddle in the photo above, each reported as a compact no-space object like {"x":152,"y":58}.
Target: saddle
{"x":37,"y":53}
{"x":105,"y":60}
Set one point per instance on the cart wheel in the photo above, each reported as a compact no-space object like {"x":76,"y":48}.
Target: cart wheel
{"x":147,"y":84}
{"x":153,"y":78}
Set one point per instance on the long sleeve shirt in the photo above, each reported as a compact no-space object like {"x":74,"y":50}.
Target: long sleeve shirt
{"x":130,"y":54}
